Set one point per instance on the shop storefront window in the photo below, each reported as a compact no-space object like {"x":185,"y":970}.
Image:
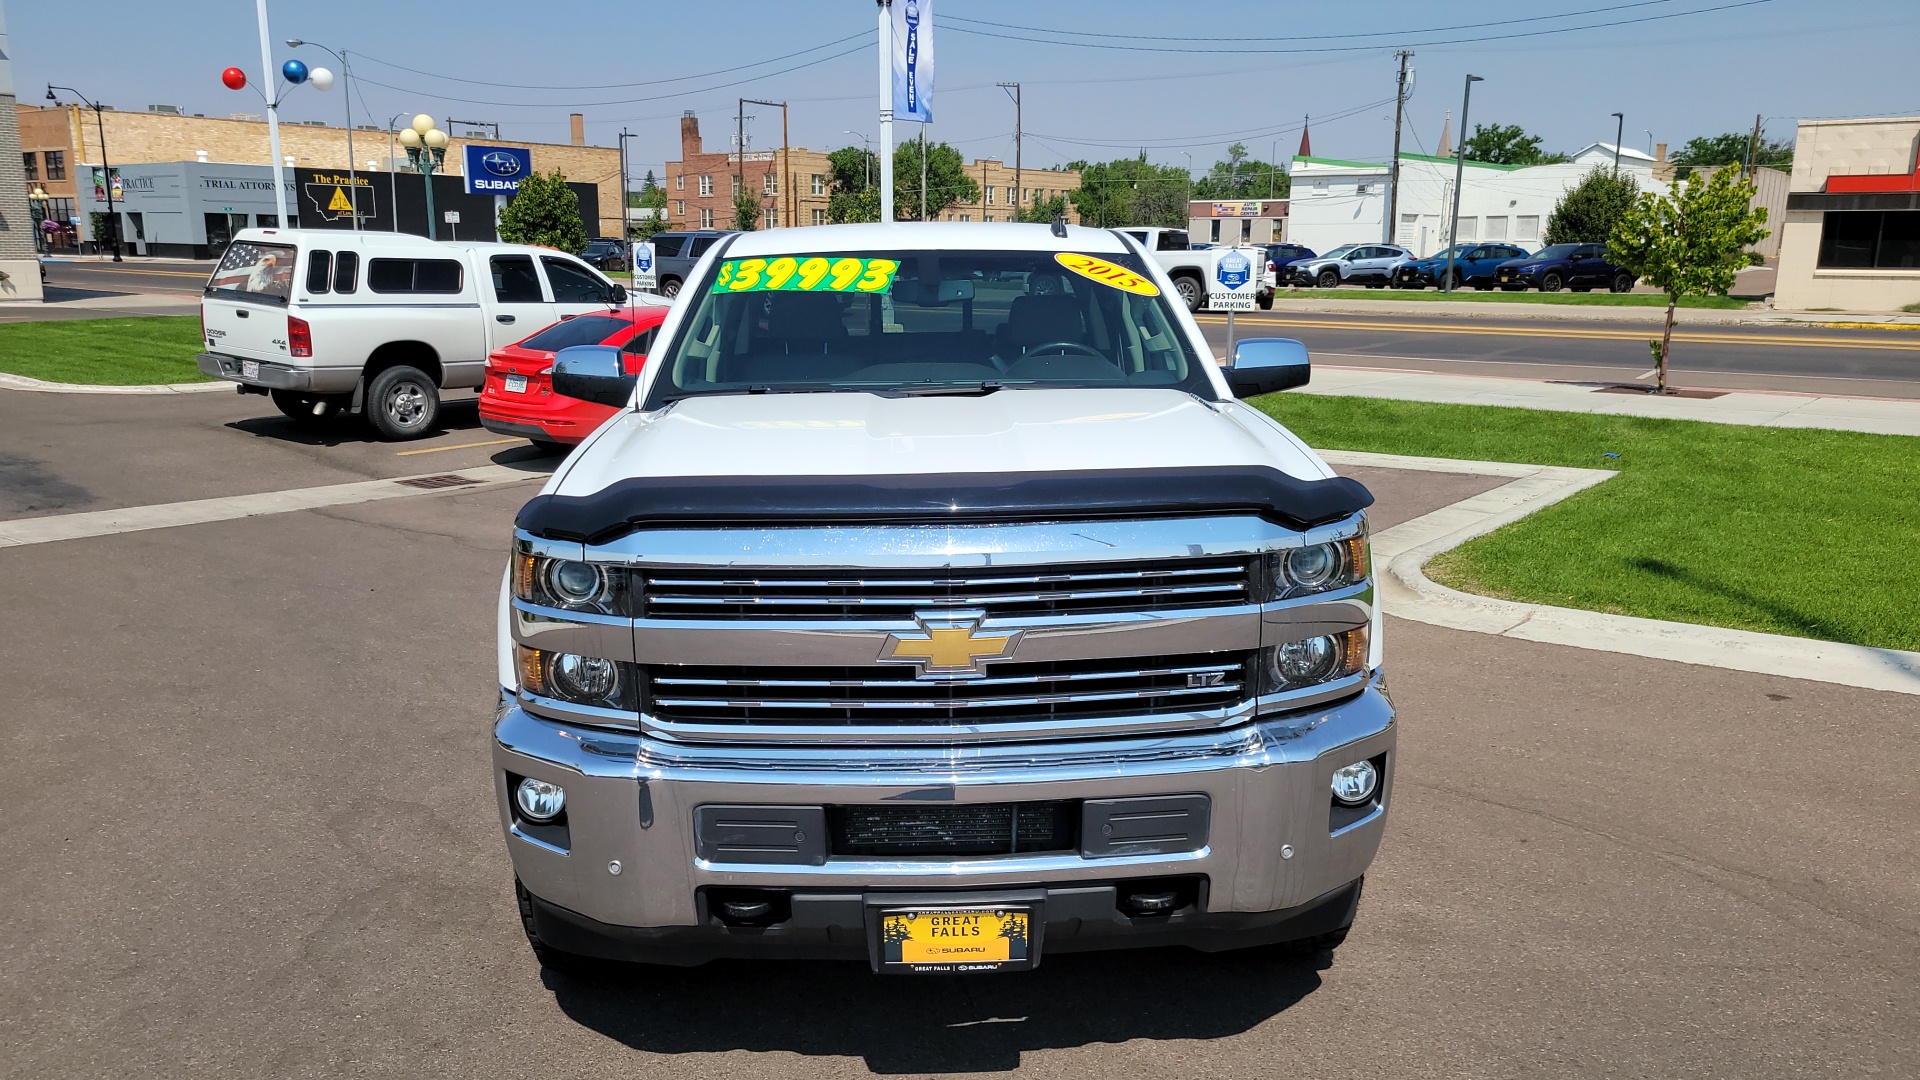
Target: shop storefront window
{"x":1870,"y":240}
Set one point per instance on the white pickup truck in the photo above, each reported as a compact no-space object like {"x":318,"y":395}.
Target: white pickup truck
{"x":326,"y":321}
{"x":933,"y":600}
{"x":1187,"y":267}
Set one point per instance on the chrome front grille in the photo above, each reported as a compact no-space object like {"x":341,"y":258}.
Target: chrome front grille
{"x":1012,"y":693}
{"x":721,"y":594}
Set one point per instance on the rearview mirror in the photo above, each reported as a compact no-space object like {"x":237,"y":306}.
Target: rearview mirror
{"x":1264,"y":365}
{"x":593,"y":373}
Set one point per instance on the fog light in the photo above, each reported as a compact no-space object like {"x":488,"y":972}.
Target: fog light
{"x":1354,"y":784}
{"x":539,"y":800}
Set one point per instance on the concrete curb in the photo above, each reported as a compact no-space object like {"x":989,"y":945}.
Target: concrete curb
{"x":21,"y":382}
{"x":1405,"y":549}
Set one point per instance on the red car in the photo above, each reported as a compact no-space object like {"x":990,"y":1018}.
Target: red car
{"x":518,"y":397}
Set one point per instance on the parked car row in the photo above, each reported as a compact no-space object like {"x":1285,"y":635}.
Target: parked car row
{"x":1578,"y":267}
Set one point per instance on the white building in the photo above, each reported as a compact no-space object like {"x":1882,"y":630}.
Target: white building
{"x":1344,"y":202}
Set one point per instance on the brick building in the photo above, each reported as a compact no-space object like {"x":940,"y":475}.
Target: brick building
{"x":792,"y":184}
{"x":19,"y":267}
{"x":152,"y":137}
{"x":997,"y":201}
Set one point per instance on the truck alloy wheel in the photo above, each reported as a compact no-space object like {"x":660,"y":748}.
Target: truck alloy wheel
{"x":1623,"y":283}
{"x":1191,"y":294}
{"x":670,"y":288}
{"x":403,"y":403}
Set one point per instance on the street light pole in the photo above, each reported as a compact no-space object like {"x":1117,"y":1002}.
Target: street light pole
{"x":1459,"y":176}
{"x":393,"y":174}
{"x":886,"y":110}
{"x":1620,"y":131}
{"x":113,"y":216}
{"x":346,"y":92}
{"x":273,"y":114}
{"x":426,"y":149}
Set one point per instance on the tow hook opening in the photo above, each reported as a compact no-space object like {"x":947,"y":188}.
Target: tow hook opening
{"x":1157,"y":897}
{"x":749,"y":907}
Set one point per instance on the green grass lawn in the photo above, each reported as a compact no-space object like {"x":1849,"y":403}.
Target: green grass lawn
{"x":1472,"y":296}
{"x":104,"y":352}
{"x":1786,"y":531}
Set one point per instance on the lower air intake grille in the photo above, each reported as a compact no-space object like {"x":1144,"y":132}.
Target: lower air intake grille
{"x":981,"y":829}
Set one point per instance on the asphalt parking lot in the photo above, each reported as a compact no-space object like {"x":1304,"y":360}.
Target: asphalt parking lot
{"x":252,"y":832}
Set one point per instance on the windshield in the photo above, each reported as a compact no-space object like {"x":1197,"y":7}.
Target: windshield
{"x":1557,"y":251}
{"x":1341,"y":250}
{"x":916,"y":322}
{"x":1459,"y":252}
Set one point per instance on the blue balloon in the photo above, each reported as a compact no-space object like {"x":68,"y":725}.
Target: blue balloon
{"x":295,"y":71}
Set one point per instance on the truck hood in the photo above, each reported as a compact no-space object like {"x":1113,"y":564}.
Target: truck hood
{"x":1011,"y":431}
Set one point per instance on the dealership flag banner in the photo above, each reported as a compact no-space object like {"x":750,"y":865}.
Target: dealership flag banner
{"x":913,"y":60}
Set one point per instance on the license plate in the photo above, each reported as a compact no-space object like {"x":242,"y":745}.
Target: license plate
{"x":250,"y":369}
{"x":516,"y":384}
{"x":956,"y":939}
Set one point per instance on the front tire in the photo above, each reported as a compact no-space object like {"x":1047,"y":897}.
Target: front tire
{"x":1329,"y":279}
{"x":402,"y":403}
{"x":1191,"y":292}
{"x":552,"y":959}
{"x":1622,"y":283}
{"x":1551,"y":282}
{"x":670,"y":287}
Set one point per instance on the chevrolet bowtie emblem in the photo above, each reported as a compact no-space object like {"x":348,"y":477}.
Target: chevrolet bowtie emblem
{"x":949,"y":646}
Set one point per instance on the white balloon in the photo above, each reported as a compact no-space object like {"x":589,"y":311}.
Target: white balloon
{"x":321,"y":78}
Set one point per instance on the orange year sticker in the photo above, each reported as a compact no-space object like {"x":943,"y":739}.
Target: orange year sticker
{"x":1107,"y":273}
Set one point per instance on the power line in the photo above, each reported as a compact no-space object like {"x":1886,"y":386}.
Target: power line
{"x":618,"y":86}
{"x":1360,"y":48}
{"x":1249,"y":133}
{"x":1308,"y":37}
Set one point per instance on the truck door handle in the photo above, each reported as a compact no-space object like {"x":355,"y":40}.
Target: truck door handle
{"x":503,"y":318}
{"x":242,"y":313}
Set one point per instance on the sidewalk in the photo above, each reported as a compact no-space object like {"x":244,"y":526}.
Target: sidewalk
{"x":1881,"y":416}
{"x":1645,"y":316}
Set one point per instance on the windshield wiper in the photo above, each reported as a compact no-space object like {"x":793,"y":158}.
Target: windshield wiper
{"x":979,"y":389}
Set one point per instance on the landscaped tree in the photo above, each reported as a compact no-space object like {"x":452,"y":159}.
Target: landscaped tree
{"x":746,"y":210}
{"x":1241,"y":177}
{"x":1731,"y":149}
{"x":651,"y":197}
{"x":947,"y":181}
{"x":1588,"y":211}
{"x":1045,"y":210}
{"x":853,"y":196}
{"x":1691,"y":243}
{"x":1131,"y":191}
{"x":1506,"y":144}
{"x":545,"y":213}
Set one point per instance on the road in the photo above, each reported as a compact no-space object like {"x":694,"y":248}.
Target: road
{"x":252,"y":832}
{"x":180,"y":278}
{"x":1800,"y":359}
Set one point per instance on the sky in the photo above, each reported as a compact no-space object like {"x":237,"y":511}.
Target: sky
{"x":1245,"y":72}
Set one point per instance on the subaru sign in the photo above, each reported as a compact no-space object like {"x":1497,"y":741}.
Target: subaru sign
{"x":1235,"y":280}
{"x":496,"y":170}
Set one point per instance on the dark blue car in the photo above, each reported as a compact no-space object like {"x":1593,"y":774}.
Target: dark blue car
{"x":1473,"y":264}
{"x":1279,"y":258}
{"x":1579,"y":267}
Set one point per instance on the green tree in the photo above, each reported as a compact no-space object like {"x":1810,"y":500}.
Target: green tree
{"x":1131,"y":191}
{"x":1045,"y":210}
{"x":853,"y":195}
{"x":1588,"y":211}
{"x":746,"y":209}
{"x":1241,"y":177}
{"x":546,"y":213}
{"x":947,"y":181}
{"x":1506,"y":144}
{"x":1731,"y":149}
{"x":651,"y":196}
{"x":1690,"y":243}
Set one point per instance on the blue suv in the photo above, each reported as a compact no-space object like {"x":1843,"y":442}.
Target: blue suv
{"x":1579,"y":267}
{"x":1473,"y":264}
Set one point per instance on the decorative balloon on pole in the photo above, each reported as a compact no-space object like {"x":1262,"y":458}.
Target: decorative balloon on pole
{"x":426,"y":151}
{"x":295,"y":73}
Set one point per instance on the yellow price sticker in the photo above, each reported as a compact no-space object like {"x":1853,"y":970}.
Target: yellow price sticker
{"x":816,"y":274}
{"x":1107,"y":273}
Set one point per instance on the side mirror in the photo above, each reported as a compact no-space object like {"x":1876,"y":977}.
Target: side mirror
{"x":1264,"y":365}
{"x":593,"y":373}
{"x":617,"y":294}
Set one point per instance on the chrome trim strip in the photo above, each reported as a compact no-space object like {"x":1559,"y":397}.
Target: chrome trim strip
{"x":930,"y":583}
{"x":869,"y":869}
{"x":561,"y":630}
{"x":527,"y":543}
{"x":591,"y":715}
{"x":655,"y":599}
{"x":514,"y":830}
{"x":908,"y":704}
{"x":1009,"y":680}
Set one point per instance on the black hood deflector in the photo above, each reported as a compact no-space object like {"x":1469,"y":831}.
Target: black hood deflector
{"x":937,"y":498}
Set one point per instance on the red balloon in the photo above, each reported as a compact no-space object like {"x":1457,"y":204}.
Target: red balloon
{"x":234,"y":78}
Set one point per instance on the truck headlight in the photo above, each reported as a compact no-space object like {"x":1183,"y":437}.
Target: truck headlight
{"x":1294,"y":665}
{"x":593,"y":681}
{"x":573,"y":585}
{"x":1315,"y":568}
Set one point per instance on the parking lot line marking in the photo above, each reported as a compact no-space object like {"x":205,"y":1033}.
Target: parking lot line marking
{"x":45,"y":530}
{"x":462,"y":446}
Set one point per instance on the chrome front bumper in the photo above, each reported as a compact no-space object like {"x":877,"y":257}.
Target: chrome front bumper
{"x":631,"y":798}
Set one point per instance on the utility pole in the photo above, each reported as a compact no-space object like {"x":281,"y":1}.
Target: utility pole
{"x":1459,"y":176}
{"x":739,"y":154}
{"x":1393,"y":177}
{"x":783,"y":194}
{"x":1753,"y":145}
{"x":1620,"y":132}
{"x":1019,"y":191}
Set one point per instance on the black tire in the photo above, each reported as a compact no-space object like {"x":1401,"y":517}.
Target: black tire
{"x":1264,"y":301}
{"x":670,"y":287}
{"x":1622,"y":283}
{"x":1551,"y":281}
{"x":552,"y":959}
{"x":1328,"y":279}
{"x":1455,"y":280}
{"x":1192,"y":292}
{"x":402,"y":403}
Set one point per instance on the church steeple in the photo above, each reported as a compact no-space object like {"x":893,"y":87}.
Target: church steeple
{"x":1446,"y":136}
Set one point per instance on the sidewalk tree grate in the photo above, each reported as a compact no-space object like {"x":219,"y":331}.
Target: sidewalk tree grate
{"x":445,"y":480}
